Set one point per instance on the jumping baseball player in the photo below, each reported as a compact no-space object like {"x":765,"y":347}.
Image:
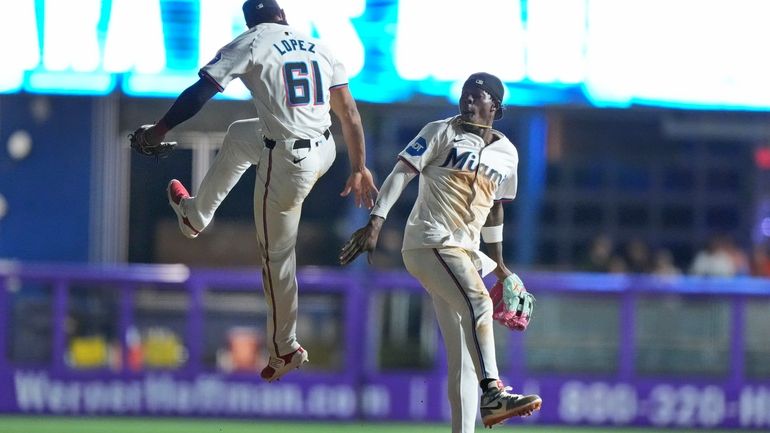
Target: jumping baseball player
{"x":467,"y":169}
{"x":295,"y":81}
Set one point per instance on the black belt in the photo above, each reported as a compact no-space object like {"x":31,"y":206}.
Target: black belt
{"x":303,"y":143}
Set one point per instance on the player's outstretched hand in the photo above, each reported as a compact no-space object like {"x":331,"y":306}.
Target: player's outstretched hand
{"x":361,"y":184}
{"x":364,"y":239}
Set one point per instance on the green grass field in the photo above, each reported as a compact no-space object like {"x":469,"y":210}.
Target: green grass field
{"x":46,"y":424}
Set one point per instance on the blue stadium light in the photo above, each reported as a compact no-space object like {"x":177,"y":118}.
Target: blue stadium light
{"x":71,"y":83}
{"x":585,"y":53}
{"x":159,"y":85}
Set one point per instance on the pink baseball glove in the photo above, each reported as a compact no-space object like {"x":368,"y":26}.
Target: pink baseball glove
{"x":513,"y":305}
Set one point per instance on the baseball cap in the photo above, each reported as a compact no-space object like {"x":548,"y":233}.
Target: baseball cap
{"x":261,"y":4}
{"x":491,"y":85}
{"x":260,"y":11}
{"x":257,"y":7}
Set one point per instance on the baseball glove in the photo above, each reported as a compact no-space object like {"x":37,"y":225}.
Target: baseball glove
{"x":513,"y":305}
{"x":140,"y":143}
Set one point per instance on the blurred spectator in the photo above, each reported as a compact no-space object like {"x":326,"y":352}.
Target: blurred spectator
{"x":664,"y":263}
{"x":599,"y":255}
{"x":715,"y":260}
{"x":637,"y":255}
{"x":760,"y":261}
{"x":617,"y":265}
{"x":738,"y":256}
{"x":602,"y":257}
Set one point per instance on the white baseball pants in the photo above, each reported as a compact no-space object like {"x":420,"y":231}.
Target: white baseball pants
{"x":281,"y":186}
{"x":464,"y":313}
{"x":285,"y":176}
{"x":241,"y":148}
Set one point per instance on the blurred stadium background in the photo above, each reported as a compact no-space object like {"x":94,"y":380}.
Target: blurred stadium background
{"x":642,"y":222}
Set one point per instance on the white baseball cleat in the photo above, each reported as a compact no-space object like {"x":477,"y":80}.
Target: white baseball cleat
{"x":176,"y":193}
{"x":497,"y":404}
{"x":278,"y":366}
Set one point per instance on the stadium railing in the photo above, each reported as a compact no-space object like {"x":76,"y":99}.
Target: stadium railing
{"x":709,"y":370}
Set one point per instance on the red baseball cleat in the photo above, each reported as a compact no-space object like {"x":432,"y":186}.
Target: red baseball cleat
{"x":176,"y":193}
{"x":281,"y":365}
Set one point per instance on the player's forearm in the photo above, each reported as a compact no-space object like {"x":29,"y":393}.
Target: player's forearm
{"x":495,"y":252}
{"x":392,"y":188}
{"x":188,"y":104}
{"x":353,"y":132}
{"x":492,"y":234}
{"x":344,"y":107}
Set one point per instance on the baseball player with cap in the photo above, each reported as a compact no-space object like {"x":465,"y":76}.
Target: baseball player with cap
{"x":467,"y":169}
{"x":294,"y":80}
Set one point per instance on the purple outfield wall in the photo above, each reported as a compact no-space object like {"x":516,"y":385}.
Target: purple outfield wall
{"x":621,"y":398}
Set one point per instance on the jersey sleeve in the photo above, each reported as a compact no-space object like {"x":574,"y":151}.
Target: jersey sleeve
{"x":232,"y":61}
{"x":339,"y":74}
{"x":507,"y":190}
{"x":422,"y":149}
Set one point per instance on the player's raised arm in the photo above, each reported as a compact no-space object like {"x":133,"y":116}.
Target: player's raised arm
{"x":492,"y":234}
{"x":189,"y":103}
{"x":360,"y":181}
{"x":365,"y":238}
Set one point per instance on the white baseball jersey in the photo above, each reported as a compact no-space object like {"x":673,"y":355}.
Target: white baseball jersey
{"x":460,"y":178}
{"x":289,"y":75}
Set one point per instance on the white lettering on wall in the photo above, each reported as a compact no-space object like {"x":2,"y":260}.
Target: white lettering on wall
{"x":220,"y":22}
{"x":375,"y":401}
{"x":718,"y":60}
{"x":718,"y":57}
{"x":162,"y":394}
{"x":556,"y":42}
{"x":125,"y":47}
{"x":112,"y":397}
{"x":17,"y":24}
{"x":36,"y":393}
{"x":452,"y":47}
{"x":70,"y":34}
{"x":31,"y":389}
{"x":597,"y":403}
{"x":754,"y":407}
{"x":332,"y":20}
{"x":331,"y":401}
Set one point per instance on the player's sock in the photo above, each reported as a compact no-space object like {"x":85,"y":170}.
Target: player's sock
{"x":485,"y":383}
